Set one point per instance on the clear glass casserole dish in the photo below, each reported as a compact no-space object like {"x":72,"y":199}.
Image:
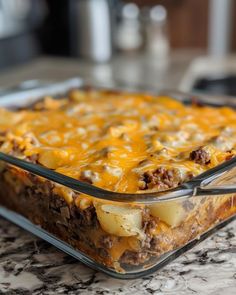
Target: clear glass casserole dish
{"x":126,"y":235}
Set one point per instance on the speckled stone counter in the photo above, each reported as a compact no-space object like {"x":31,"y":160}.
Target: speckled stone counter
{"x":29,"y":265}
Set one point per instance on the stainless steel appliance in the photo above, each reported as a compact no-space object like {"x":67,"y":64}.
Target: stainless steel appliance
{"x":18,"y":19}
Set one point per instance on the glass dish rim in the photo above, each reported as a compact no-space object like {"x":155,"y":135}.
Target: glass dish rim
{"x":193,"y":188}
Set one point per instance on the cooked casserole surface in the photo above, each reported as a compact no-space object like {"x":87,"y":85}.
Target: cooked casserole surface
{"x":120,"y":141}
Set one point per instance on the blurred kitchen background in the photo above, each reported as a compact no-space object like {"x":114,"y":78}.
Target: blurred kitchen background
{"x":184,"y":44}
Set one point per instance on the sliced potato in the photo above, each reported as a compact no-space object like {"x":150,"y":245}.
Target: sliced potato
{"x":9,"y":118}
{"x":171,"y":212}
{"x":53,"y":158}
{"x":120,"y":221}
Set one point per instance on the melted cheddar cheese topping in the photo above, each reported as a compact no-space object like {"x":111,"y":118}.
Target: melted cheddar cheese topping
{"x":112,"y":139}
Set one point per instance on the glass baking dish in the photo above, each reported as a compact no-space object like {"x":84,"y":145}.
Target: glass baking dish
{"x":204,"y":204}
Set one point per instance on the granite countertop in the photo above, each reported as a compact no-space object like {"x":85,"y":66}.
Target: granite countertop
{"x":29,"y":265}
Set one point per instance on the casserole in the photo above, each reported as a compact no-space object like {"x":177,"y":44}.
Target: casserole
{"x":124,"y":178}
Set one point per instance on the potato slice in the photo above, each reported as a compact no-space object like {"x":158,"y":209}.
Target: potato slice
{"x":120,"y":221}
{"x":9,"y":118}
{"x":171,"y":212}
{"x":53,"y":158}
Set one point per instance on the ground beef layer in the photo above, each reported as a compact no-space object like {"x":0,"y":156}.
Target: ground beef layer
{"x":41,"y":201}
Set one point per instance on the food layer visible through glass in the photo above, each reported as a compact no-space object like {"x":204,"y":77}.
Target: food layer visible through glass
{"x":121,"y":142}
